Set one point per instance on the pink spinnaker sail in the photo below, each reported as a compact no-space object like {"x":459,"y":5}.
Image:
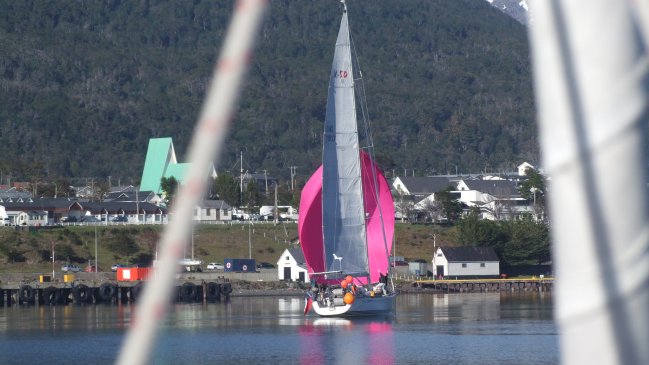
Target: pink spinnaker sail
{"x":378,"y":237}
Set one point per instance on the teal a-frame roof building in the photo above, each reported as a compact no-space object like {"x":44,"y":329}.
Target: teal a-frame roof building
{"x":161,"y":162}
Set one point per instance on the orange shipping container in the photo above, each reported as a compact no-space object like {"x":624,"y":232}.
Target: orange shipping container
{"x":132,"y":273}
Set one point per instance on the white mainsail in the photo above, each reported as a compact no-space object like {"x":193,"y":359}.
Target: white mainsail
{"x":342,"y":195}
{"x":591,"y":77}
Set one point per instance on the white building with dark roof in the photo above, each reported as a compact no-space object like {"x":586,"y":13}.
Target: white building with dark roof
{"x":30,"y":218}
{"x":291,"y":266}
{"x":497,"y":199}
{"x":465,"y":262}
{"x":54,"y":209}
{"x":420,"y":187}
{"x":135,"y":212}
{"x":212,"y":211}
{"x":417,"y":194}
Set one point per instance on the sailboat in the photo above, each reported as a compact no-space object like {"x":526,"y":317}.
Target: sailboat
{"x":346,"y":208}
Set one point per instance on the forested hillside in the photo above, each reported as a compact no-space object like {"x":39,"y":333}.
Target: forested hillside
{"x":85,"y":84}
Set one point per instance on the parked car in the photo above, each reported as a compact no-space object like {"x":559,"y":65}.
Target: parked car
{"x":120,"y":218}
{"x":215,"y":266}
{"x":68,"y":219}
{"x":398,"y":263}
{"x":70,"y":268}
{"x":117,"y":266}
{"x":265,"y":265}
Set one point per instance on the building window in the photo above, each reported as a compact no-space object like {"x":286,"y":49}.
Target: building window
{"x":440,"y":254}
{"x":287,"y":258}
{"x":482,"y":264}
{"x":195,"y":212}
{"x":464,"y":266}
{"x":208,"y":212}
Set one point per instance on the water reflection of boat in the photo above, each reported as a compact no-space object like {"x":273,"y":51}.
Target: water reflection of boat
{"x":365,"y":340}
{"x":332,"y":322}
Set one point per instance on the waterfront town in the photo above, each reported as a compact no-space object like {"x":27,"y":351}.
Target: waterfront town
{"x":417,"y":199}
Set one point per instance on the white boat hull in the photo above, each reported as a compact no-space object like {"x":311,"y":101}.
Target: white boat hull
{"x":362,"y":306}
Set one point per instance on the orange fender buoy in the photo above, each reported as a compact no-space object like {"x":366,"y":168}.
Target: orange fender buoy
{"x":344,"y":284}
{"x":349,"y":298}
{"x":349,"y":278}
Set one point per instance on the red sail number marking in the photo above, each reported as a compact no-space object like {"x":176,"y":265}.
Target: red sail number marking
{"x":341,"y":74}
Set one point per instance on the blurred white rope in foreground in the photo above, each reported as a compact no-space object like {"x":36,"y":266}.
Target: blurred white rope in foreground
{"x":208,"y":138}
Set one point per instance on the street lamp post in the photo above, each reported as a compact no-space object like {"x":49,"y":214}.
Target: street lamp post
{"x":533,"y":190}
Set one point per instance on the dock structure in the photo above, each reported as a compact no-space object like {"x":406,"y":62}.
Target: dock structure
{"x":96,"y":288}
{"x":487,"y":285}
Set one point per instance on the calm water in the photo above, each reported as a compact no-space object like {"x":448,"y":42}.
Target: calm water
{"x":428,"y":329}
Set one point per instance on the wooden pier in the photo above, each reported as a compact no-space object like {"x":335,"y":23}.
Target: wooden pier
{"x":487,"y":285}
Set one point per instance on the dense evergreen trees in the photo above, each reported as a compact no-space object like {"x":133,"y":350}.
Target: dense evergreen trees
{"x":84,"y":85}
{"x":168,"y":185}
{"x":517,"y":242}
{"x":227,"y":189}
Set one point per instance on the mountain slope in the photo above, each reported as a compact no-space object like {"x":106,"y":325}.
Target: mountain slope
{"x":84,"y":85}
{"x":517,"y":9}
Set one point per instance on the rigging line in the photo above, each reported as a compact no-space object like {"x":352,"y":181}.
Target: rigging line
{"x":370,"y":141}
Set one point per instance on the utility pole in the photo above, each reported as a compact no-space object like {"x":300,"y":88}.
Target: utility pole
{"x":434,"y":242}
{"x":241,"y":181}
{"x":53,"y":271}
{"x":292,"y":177}
{"x":137,"y":204}
{"x":249,"y":241}
{"x":276,"y":213}
{"x":266,"y":179}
